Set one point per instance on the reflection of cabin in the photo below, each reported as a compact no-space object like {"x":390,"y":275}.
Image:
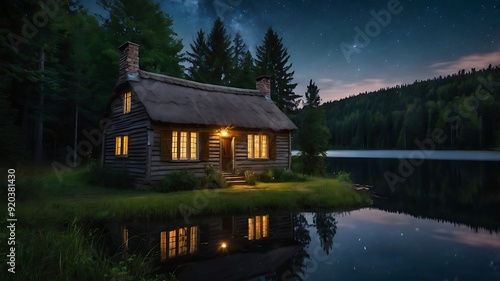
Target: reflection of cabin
{"x":179,"y":242}
{"x":158,"y":124}
{"x":239,"y":237}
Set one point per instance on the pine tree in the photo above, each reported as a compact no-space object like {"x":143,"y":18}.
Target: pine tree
{"x":239,"y":50}
{"x":326,"y":228}
{"x":143,"y":22}
{"x":313,"y":134}
{"x":219,"y":55}
{"x":312,"y":95}
{"x":272,"y":59}
{"x":247,"y":75}
{"x":198,"y":57}
{"x":243,"y":69}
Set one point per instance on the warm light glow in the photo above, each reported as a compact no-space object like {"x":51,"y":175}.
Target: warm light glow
{"x":118,"y":145}
{"x":184,"y":145}
{"x":223,"y":132}
{"x":127,"y":102}
{"x":125,"y":145}
{"x":163,"y":245}
{"x":257,"y":146}
{"x":223,"y":245}
{"x":121,"y":145}
{"x":125,"y":236}
{"x":258,"y":227}
{"x":181,"y":241}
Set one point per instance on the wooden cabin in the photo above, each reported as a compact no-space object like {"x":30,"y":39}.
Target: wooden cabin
{"x":157,"y":124}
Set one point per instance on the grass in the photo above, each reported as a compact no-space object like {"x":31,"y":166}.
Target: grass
{"x":73,"y":254}
{"x":73,"y":198}
{"x":56,"y":234}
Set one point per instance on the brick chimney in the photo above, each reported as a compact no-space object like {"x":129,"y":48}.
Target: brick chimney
{"x":129,"y":61}
{"x":263,"y":84}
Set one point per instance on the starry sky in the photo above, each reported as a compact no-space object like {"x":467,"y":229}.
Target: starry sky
{"x":349,"y":47}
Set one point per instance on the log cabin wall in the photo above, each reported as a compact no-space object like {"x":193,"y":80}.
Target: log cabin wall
{"x":160,"y":167}
{"x":135,"y":125}
{"x":279,"y":142}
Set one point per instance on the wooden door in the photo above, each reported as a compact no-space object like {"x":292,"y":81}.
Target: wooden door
{"x":226,"y":151}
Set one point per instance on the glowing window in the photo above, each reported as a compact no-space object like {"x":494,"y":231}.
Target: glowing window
{"x":172,"y":243}
{"x":125,"y":236}
{"x":174,"y":145}
{"x":127,"y":102}
{"x":265,"y":226}
{"x":118,"y":145}
{"x":121,"y":145}
{"x":194,"y":144}
{"x":251,"y":229}
{"x":258,"y":227}
{"x":163,"y":245}
{"x":184,"y":145}
{"x":257,"y":146}
{"x":183,"y":241}
{"x":193,"y":240}
{"x":180,"y":242}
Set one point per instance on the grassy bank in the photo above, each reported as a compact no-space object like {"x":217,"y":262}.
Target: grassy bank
{"x":56,"y":238}
{"x":73,"y":198}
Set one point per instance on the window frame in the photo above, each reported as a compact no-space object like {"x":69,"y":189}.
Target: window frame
{"x":251,"y":145}
{"x":179,"y":242}
{"x":258,"y":227}
{"x":127,"y":102}
{"x":178,"y":145}
{"x":121,"y":146}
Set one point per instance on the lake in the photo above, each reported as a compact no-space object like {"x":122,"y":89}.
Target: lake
{"x":431,"y":220}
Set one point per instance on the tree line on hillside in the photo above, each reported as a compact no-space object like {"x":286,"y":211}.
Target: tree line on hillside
{"x":60,"y":64}
{"x":460,"y":111}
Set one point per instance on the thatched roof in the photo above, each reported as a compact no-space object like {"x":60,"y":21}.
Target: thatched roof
{"x":178,"y":101}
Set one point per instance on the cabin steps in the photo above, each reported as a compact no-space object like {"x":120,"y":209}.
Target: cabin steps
{"x":233,"y":179}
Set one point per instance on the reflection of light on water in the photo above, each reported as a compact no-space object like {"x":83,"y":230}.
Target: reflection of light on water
{"x":478,"y":239}
{"x":380,"y":217}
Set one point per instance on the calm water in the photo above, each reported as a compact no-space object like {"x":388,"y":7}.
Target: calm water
{"x":441,"y":222}
{"x":472,"y":155}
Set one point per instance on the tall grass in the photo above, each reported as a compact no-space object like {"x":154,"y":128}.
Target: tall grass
{"x":73,"y":254}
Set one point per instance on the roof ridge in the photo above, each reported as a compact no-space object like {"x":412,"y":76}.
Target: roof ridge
{"x":198,"y":85}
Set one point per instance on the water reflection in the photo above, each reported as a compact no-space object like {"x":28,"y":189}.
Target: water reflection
{"x":463,"y":192}
{"x":366,"y":244}
{"x":218,"y":248}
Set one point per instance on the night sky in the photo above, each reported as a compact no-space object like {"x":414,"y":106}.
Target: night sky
{"x":422,"y":39}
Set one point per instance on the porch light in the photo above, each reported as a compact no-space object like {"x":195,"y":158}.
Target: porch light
{"x":224,"y":131}
{"x":223,"y":245}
